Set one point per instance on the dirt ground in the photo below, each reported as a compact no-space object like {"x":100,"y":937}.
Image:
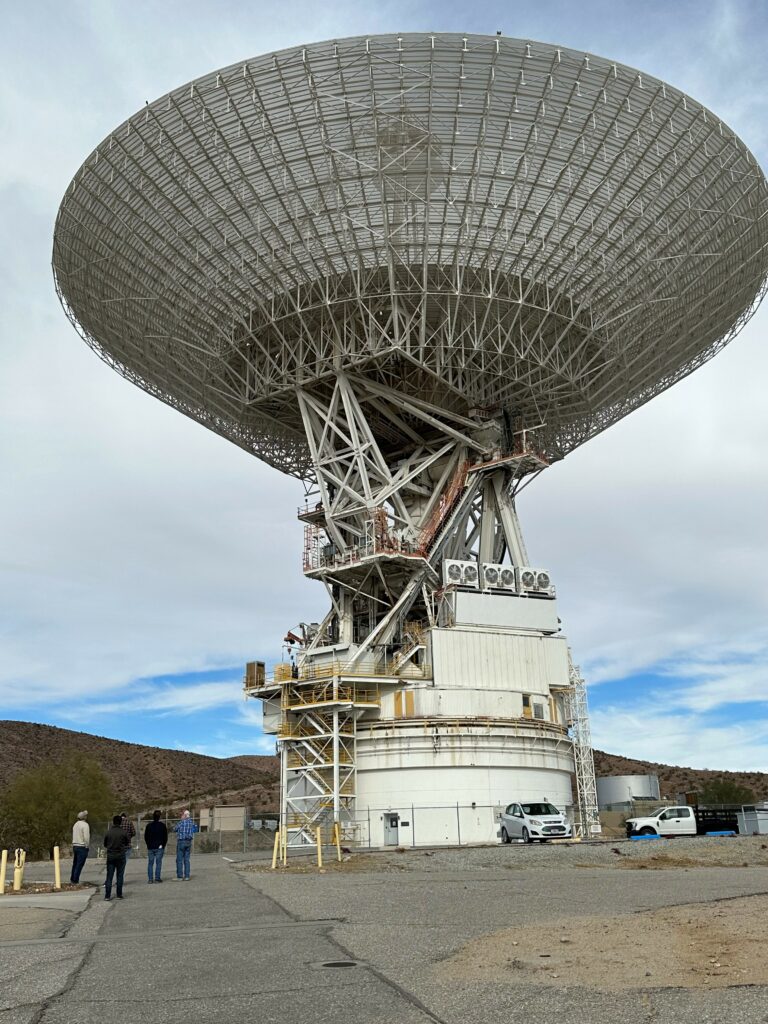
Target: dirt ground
{"x":36,"y":888}
{"x":716,"y":944}
{"x":707,"y":945}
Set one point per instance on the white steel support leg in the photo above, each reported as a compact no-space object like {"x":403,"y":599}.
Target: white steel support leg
{"x":509,"y":522}
{"x":283,"y":785}
{"x":487,"y":524}
{"x":336,"y":768}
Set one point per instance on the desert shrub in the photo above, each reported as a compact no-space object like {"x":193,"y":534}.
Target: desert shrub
{"x":40,"y":805}
{"x":725,"y":791}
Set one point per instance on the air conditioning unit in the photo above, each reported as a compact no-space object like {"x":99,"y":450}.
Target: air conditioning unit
{"x":498,"y":577}
{"x":534,"y":581}
{"x":460,"y":574}
{"x":508,"y":579}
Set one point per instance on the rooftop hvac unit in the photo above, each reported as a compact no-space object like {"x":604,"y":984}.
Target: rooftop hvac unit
{"x":460,"y":574}
{"x":534,"y":581}
{"x":498,"y":577}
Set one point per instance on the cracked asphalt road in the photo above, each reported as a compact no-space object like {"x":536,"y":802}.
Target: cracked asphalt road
{"x":230,"y":946}
{"x":210,"y":950}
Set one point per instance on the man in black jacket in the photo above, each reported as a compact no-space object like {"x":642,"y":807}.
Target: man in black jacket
{"x":116,"y":842}
{"x":156,"y":838}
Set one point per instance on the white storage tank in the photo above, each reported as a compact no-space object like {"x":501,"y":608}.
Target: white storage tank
{"x":624,"y":789}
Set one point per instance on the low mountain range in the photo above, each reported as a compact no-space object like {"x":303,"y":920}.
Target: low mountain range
{"x":144,"y":776}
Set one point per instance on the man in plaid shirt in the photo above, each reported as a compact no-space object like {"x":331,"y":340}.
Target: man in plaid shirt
{"x":185,"y":829}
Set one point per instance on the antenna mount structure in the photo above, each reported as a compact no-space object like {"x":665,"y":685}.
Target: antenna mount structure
{"x":413,"y":271}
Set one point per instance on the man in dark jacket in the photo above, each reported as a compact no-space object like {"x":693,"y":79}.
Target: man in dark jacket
{"x":116,"y":842}
{"x":156,"y":838}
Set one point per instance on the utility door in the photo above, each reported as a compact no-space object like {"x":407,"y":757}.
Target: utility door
{"x":391,"y":829}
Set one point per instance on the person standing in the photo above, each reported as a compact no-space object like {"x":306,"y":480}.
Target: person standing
{"x":81,"y":841}
{"x":185,"y":829}
{"x":130,"y":830}
{"x":156,"y":838}
{"x":116,"y":842}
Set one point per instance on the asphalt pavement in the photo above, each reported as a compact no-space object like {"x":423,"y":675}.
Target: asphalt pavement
{"x":364,"y":947}
{"x":212,"y":949}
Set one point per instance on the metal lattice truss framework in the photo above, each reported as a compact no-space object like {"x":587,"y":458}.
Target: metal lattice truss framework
{"x":376,"y":538}
{"x":379,"y":532}
{"x":479,"y":223}
{"x":584,"y":760}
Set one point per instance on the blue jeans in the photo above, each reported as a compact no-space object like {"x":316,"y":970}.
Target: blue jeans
{"x":154,"y":859}
{"x":183,"y":847}
{"x":115,"y":867}
{"x":79,"y":856}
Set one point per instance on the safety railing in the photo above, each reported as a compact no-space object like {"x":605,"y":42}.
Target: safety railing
{"x":328,"y":693}
{"x":298,"y":728}
{"x":321,"y":755}
{"x":362,"y":669}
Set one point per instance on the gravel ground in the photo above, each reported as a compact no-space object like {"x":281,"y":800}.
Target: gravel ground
{"x":698,"y":851}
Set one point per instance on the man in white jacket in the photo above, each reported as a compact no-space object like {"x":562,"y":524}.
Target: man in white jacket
{"x":81,"y":840}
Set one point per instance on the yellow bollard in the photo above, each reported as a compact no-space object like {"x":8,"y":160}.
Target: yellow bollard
{"x":337,"y":837}
{"x":56,"y":869}
{"x":3,"y":865}
{"x":319,"y":847}
{"x":20,"y":857}
{"x":276,"y":848}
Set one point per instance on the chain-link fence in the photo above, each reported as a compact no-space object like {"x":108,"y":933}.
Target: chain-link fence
{"x":244,"y":831}
{"x":231,"y":830}
{"x":412,"y":826}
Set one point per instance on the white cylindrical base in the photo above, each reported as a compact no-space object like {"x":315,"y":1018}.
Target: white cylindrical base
{"x":432,"y":783}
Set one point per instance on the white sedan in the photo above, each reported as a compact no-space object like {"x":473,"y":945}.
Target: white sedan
{"x":540,"y":821}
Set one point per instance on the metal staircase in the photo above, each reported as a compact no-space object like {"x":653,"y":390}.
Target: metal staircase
{"x":317,"y":742}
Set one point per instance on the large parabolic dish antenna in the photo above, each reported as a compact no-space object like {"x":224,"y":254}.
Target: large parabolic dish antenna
{"x":413,"y":271}
{"x":480,"y":222}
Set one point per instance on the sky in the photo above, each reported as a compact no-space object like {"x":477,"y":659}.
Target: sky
{"x":143,"y":559}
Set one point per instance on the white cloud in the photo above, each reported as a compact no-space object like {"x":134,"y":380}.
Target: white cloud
{"x":653,"y":733}
{"x":160,"y":699}
{"x":733,"y":677}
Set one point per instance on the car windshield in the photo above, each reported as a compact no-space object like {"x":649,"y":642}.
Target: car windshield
{"x":539,"y":809}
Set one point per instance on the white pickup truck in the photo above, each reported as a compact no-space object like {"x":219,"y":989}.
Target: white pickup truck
{"x":682,"y":821}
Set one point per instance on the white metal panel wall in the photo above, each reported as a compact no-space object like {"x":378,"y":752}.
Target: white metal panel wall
{"x":436,"y":702}
{"x":498,"y":661}
{"x":271,"y":715}
{"x":455,"y":702}
{"x":505,"y":611}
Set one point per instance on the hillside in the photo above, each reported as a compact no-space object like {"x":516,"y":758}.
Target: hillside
{"x":674,"y":779}
{"x":142,"y":775}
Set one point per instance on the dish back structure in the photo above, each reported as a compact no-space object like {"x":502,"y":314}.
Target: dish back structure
{"x":413,"y":271}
